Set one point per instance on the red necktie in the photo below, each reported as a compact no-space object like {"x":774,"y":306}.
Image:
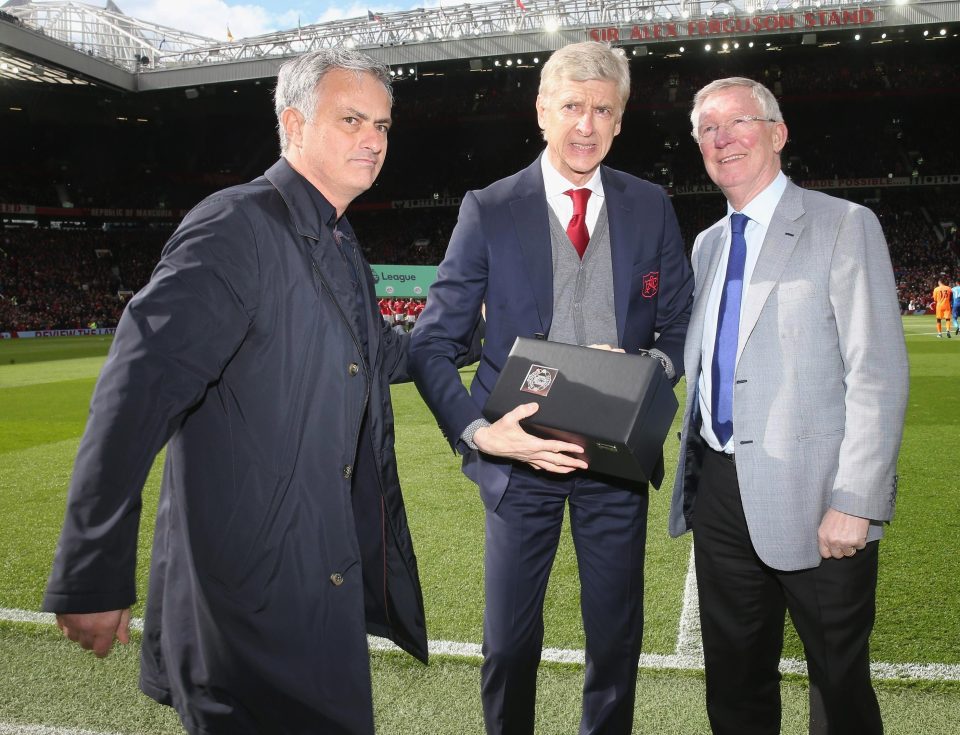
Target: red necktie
{"x":577,"y":229}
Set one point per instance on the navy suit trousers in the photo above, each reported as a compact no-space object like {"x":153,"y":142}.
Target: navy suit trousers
{"x":608,"y":523}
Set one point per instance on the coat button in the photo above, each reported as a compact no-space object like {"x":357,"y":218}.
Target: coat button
{"x":353,"y":369}
{"x":347,"y":471}
{"x":337,"y":579}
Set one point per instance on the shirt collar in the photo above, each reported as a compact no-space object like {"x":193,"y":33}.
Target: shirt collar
{"x":761,"y":207}
{"x":555,"y":184}
{"x":328,"y":213}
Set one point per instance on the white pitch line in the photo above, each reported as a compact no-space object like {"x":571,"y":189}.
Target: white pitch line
{"x":689,"y":645}
{"x":13,"y":615}
{"x":689,"y":652}
{"x":13,"y":728}
{"x":553,"y":655}
{"x":682,"y":659}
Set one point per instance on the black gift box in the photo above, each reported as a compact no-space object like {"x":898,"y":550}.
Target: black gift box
{"x":618,"y":407}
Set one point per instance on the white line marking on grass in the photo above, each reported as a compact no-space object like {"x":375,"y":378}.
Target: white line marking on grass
{"x":10,"y":728}
{"x":12,"y":615}
{"x":436,"y":648}
{"x":882,"y":670}
{"x":553,"y":655}
{"x":688,"y":655}
{"x":689,"y":652}
{"x":926,"y":334}
{"x":689,"y":645}
{"x":925,"y":672}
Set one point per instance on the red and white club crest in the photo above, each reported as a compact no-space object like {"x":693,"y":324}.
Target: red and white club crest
{"x":651,"y":284}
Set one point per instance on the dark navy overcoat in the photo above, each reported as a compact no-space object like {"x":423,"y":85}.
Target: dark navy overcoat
{"x":281,"y":536}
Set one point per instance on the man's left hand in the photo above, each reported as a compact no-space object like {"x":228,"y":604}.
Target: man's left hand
{"x":841,"y":534}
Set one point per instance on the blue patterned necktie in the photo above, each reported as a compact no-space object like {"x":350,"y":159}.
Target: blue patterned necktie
{"x":728,"y":331}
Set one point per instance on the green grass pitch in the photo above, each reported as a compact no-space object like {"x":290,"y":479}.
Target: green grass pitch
{"x":45,"y":387}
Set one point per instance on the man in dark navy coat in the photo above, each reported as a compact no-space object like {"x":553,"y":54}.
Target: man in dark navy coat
{"x":257,"y":355}
{"x":579,"y":253}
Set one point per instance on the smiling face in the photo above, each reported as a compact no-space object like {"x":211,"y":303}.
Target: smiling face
{"x":342,"y":149}
{"x":579,"y":122}
{"x":744,"y":159}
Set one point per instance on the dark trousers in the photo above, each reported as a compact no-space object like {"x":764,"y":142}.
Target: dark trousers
{"x":742,"y":608}
{"x":608,"y":523}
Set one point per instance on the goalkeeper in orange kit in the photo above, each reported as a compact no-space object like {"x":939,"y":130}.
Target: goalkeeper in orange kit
{"x":943,"y":303}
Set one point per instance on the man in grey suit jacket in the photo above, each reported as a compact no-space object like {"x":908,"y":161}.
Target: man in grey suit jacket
{"x":792,"y":425}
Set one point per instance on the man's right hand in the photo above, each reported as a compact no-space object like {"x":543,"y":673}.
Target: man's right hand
{"x":96,"y":631}
{"x":506,"y":438}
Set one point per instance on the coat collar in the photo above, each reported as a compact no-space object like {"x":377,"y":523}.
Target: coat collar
{"x":309,"y":210}
{"x":315,"y":219}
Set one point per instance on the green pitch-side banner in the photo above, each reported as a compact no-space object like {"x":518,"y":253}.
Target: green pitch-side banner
{"x":403,"y":280}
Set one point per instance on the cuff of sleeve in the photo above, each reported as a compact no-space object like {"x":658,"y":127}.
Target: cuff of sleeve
{"x":665,"y":361}
{"x":467,"y":436}
{"x":56,"y":602}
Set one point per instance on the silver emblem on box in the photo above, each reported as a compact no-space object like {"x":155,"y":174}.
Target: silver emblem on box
{"x":539,"y":380}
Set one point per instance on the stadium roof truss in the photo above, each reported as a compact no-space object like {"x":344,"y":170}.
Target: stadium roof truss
{"x":148,"y":55}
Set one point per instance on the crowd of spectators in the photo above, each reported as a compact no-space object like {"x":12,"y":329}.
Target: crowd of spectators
{"x":70,"y":279}
{"x":874,"y":112}
{"x":405,"y":236}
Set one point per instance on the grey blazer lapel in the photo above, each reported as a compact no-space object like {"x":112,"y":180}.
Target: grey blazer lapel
{"x":706,"y":260}
{"x":778,"y":246}
{"x":711,"y":248}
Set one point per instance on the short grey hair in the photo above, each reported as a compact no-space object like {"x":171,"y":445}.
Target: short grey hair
{"x":587,"y":61}
{"x":769,"y":107}
{"x":298,"y":79}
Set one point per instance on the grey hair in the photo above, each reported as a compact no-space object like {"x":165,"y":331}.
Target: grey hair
{"x":587,"y":61}
{"x":769,"y":107}
{"x":298,"y":79}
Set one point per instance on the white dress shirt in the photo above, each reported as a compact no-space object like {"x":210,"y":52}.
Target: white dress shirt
{"x":561,"y":204}
{"x":760,"y":211}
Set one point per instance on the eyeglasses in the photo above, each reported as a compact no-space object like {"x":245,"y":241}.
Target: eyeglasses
{"x":735,"y":126}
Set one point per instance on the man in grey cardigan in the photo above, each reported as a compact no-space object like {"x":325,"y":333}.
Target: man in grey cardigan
{"x":577,"y":252}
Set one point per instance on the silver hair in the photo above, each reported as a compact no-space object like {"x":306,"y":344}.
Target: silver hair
{"x":587,"y":61}
{"x":769,"y":107}
{"x":298,"y":79}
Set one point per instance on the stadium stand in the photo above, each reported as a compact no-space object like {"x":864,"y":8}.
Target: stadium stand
{"x":116,"y":171}
{"x":71,"y":279}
